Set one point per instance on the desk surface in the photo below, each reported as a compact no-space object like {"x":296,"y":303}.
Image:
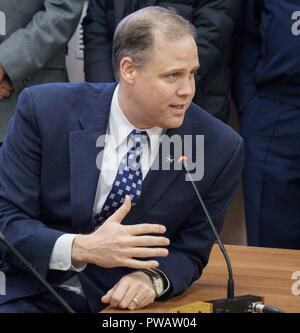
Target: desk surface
{"x":257,"y":271}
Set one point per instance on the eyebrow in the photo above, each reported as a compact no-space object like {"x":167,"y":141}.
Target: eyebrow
{"x":181,"y":69}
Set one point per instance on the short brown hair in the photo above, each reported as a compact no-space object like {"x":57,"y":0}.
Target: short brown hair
{"x":134,"y":34}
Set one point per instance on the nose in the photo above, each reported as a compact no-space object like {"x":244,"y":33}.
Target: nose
{"x":187,"y":88}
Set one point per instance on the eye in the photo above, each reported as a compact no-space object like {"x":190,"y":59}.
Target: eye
{"x":174,"y":75}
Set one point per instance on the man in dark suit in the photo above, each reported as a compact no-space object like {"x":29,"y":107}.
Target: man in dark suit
{"x":213,"y":21}
{"x":100,"y":237}
{"x":266,"y":85}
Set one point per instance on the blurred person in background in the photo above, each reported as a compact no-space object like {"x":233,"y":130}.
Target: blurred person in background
{"x":266,"y":88}
{"x":33,"y":49}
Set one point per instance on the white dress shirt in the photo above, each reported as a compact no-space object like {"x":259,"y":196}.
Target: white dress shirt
{"x":116,"y":146}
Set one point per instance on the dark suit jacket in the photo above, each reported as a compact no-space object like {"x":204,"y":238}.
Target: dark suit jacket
{"x":48,"y":181}
{"x":214,"y":24}
{"x":263,"y":64}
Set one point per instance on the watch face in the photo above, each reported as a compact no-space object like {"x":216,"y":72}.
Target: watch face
{"x":159,"y":286}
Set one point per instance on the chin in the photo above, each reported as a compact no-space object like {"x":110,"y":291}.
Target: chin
{"x":175,"y":123}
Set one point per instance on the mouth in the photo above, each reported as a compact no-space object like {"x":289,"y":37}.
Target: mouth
{"x":179,"y":109}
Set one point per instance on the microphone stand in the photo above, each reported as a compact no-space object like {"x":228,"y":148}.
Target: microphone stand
{"x":231,"y":304}
{"x":36,"y":274}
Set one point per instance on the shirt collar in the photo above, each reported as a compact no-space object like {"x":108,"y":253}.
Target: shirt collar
{"x":120,"y":127}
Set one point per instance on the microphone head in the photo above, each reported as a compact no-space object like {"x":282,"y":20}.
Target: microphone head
{"x":182,"y":159}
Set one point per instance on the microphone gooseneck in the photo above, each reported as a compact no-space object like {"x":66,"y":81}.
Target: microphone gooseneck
{"x":36,"y":274}
{"x":230,"y":282}
{"x":231,"y":304}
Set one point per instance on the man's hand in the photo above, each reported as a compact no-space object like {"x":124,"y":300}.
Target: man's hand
{"x":5,"y":86}
{"x":134,"y":291}
{"x":5,"y":89}
{"x":116,"y":245}
{"x":2,"y":73}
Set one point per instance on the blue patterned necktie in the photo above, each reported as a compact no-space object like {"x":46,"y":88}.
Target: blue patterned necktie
{"x":128,"y":180}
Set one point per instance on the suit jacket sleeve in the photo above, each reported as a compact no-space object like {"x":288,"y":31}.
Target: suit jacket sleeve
{"x":29,"y":49}
{"x":246,"y":52}
{"x":20,"y":211}
{"x":190,"y":248}
{"x":97,"y":43}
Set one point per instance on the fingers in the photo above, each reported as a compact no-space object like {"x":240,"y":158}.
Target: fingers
{"x":144,"y":252}
{"x":5,"y":89}
{"x":120,"y":214}
{"x":147,"y":241}
{"x":131,"y":296}
{"x":115,"y":295}
{"x":140,"y":264}
{"x":4,"y":92}
{"x":119,"y":294}
{"x":131,"y":292}
{"x":141,"y":301}
{"x":146,"y":228}
{"x":6,"y":85}
{"x":2,"y":72}
{"x":107,"y":297}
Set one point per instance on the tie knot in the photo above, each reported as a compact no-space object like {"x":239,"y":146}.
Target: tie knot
{"x":139,"y":137}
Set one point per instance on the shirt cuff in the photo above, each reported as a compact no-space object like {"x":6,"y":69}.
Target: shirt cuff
{"x":61,"y":257}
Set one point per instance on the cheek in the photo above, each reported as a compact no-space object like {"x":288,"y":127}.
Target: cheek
{"x":157,"y":95}
{"x":164,"y":94}
{"x":156,"y":98}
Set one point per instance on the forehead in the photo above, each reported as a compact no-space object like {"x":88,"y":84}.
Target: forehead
{"x":168,"y":53}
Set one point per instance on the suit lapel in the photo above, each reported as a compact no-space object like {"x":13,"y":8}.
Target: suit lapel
{"x":83,"y":156}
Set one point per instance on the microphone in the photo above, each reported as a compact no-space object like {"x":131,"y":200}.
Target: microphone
{"x":36,"y":274}
{"x":231,"y":304}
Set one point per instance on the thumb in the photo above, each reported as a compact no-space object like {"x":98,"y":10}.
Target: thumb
{"x":107,"y":297}
{"x":120,"y":214}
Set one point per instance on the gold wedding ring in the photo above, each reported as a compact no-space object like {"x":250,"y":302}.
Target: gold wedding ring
{"x":135,"y":301}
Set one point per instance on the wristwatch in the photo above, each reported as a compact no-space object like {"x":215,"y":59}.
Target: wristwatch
{"x":157,"y":281}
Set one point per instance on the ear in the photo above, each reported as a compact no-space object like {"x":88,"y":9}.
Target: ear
{"x":127,"y":70}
